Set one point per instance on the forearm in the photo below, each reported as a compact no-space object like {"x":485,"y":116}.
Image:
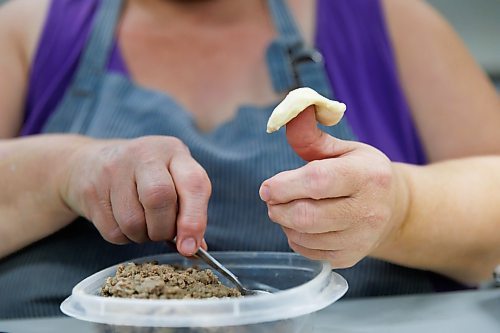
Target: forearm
{"x":32,"y":171}
{"x":452,"y":224}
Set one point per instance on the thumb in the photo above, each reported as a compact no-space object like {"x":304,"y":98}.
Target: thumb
{"x":311,"y":143}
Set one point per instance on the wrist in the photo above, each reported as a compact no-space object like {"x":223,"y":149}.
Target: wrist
{"x":74,"y":152}
{"x":401,"y":212}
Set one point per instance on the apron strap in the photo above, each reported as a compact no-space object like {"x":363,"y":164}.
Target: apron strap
{"x":74,"y":113}
{"x":98,"y":48}
{"x":291,"y":63}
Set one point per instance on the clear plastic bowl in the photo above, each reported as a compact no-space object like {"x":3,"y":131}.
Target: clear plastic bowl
{"x":300,"y":287}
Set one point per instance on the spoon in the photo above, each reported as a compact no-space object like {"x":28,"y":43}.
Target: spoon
{"x":215,"y":264}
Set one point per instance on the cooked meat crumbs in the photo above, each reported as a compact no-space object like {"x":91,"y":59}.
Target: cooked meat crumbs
{"x":155,"y":281}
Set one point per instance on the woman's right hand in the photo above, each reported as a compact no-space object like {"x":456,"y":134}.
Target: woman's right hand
{"x":145,"y":189}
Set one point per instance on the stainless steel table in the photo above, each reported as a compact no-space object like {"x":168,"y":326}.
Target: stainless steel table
{"x":466,"y":311}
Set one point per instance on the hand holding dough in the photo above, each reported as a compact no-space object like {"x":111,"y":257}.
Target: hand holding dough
{"x":328,"y":112}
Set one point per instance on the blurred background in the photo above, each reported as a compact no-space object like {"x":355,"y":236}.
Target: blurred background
{"x":478,"y":22}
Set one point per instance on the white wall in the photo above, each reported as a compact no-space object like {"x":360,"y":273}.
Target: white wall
{"x":478,"y":22}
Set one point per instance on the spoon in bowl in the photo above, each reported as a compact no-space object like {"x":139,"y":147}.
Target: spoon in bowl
{"x":215,"y":264}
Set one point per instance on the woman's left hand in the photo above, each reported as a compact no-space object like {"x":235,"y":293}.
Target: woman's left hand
{"x":347,"y":201}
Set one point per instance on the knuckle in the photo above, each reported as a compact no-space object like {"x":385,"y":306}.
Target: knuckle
{"x":89,"y":191}
{"x":158,"y":196}
{"x":156,"y":236}
{"x":300,"y":238}
{"x":194,"y":219}
{"x":319,"y":255}
{"x":271,"y":212}
{"x":340,"y":260}
{"x":315,"y":176}
{"x":384,"y":178}
{"x":117,"y":240}
{"x":110,"y":166}
{"x":104,"y":204}
{"x":299,"y":249}
{"x":381,"y":177}
{"x":141,"y":147}
{"x":293,"y":236}
{"x":145,"y":145}
{"x":197,"y":228}
{"x":114,"y":236}
{"x":112,"y":158}
{"x":132,"y":226}
{"x":175,"y":142}
{"x":342,"y":264}
{"x":374,"y":217}
{"x":199,"y":183}
{"x":193,"y":226}
{"x":302,"y":216}
{"x":131,"y":221}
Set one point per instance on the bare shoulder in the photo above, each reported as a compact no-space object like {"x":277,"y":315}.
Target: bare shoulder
{"x":451,"y":98}
{"x":415,"y":21}
{"x":21,"y":22}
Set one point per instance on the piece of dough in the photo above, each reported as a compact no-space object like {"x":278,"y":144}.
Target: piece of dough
{"x":328,"y":112}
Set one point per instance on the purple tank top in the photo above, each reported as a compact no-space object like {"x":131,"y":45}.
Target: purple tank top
{"x":351,"y":35}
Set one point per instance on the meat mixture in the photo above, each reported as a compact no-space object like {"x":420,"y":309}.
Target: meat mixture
{"x":155,"y":281}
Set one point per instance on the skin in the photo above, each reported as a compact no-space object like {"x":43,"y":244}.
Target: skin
{"x":350,"y":202}
{"x":415,"y":216}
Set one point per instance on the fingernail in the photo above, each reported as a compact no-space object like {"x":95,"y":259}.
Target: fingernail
{"x":188,"y":246}
{"x":264,"y":193}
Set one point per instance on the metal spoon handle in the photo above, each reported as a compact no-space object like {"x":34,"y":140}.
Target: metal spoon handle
{"x":207,"y":258}
{"x":211,"y":261}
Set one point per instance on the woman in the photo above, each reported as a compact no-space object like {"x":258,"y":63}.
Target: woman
{"x":134,"y":117}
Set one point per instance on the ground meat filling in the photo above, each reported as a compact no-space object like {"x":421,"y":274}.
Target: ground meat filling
{"x":154,"y":281}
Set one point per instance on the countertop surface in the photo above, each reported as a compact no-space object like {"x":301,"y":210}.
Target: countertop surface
{"x":465,"y":311}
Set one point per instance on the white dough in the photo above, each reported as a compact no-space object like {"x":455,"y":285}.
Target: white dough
{"x":328,"y":112}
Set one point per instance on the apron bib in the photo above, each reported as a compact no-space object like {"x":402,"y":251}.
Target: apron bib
{"x":238,"y":155}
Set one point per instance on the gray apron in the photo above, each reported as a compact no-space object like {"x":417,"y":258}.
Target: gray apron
{"x":238,"y":156}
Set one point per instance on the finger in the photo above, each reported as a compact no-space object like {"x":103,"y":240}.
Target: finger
{"x":309,"y":142}
{"x":193,"y":189}
{"x":337,"y":258}
{"x":330,"y":178}
{"x":101,"y":215}
{"x":310,"y":253}
{"x":316,"y":216}
{"x":357,"y":241}
{"x":127,"y":210}
{"x":157,"y":195}
{"x":334,"y":240}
